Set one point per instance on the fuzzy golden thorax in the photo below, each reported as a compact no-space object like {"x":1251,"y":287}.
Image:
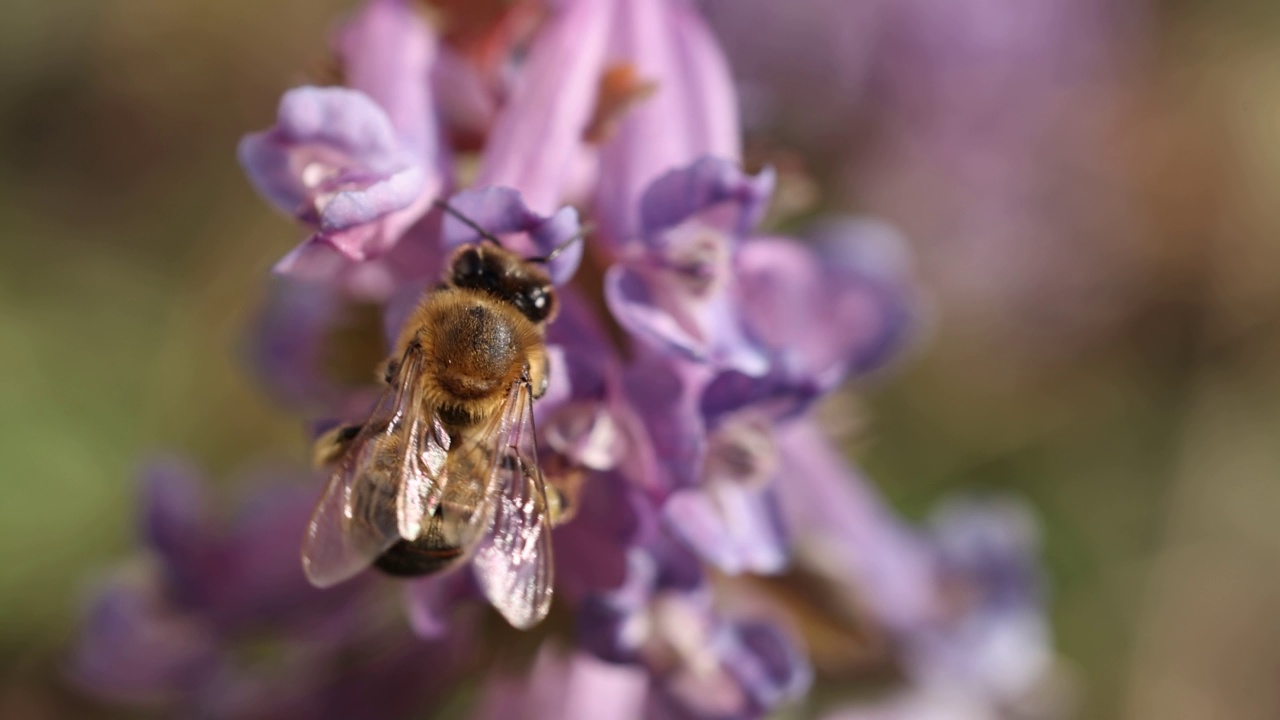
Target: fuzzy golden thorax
{"x":474,"y":347}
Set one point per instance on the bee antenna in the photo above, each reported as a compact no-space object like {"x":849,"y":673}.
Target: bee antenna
{"x":484,"y":234}
{"x":555,"y":252}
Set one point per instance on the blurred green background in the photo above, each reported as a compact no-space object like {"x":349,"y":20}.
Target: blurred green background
{"x":132,"y":254}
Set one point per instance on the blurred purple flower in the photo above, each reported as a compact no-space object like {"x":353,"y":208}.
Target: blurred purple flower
{"x":612,"y":95}
{"x":779,"y":324}
{"x":685,"y":357}
{"x":241,"y":574}
{"x":536,"y":143}
{"x":677,"y":292}
{"x":821,"y":314}
{"x":360,"y":164}
{"x":807,"y":75}
{"x":986,"y":127}
{"x":290,"y":347}
{"x":566,"y":685}
{"x":137,"y":648}
{"x":843,"y":528}
{"x":995,"y":640}
{"x":705,"y":664}
{"x":177,"y":633}
{"x":731,"y":517}
{"x":334,"y":159}
{"x":692,"y":113}
{"x":990,"y":656}
{"x":502,"y":211}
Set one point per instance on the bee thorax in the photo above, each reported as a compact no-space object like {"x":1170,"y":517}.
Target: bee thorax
{"x":474,"y":349}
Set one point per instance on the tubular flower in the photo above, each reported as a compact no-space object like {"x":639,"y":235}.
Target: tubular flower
{"x":178,"y":630}
{"x":686,"y":344}
{"x":359,"y":164}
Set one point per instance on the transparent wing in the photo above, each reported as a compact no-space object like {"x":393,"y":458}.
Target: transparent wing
{"x":513,"y":559}
{"x":391,"y":475}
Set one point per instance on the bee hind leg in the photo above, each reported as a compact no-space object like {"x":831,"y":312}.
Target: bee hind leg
{"x":332,"y":445}
{"x":390,"y":369}
{"x":564,"y":487}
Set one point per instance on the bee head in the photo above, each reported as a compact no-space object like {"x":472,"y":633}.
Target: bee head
{"x":505,"y":276}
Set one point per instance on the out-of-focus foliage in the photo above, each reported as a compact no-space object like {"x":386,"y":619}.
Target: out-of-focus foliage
{"x":132,"y":251}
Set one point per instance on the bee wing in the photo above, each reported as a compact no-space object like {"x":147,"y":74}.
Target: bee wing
{"x":513,"y":559}
{"x":388,"y":478}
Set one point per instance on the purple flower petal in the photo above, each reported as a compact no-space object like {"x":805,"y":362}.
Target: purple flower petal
{"x":289,"y":348}
{"x":635,"y":305}
{"x":335,"y":161}
{"x":345,"y":218}
{"x":707,"y":665}
{"x":730,"y":526}
{"x":781,"y":394}
{"x":592,"y":549}
{"x":243,"y":574}
{"x":766,"y":662}
{"x":577,"y":328}
{"x":681,"y":193}
{"x":463,"y":95}
{"x":501,"y":211}
{"x":323,"y":137}
{"x":586,"y":433}
{"x":816,"y":53}
{"x":537,"y":139}
{"x":612,"y":622}
{"x":566,"y":686}
{"x":703,"y":330}
{"x":692,"y":112}
{"x":584,"y":372}
{"x":994,"y":543}
{"x":731,"y":518}
{"x":842,"y":526}
{"x":669,"y":454}
{"x":677,"y":291}
{"x":996,"y":639}
{"x":387,"y":52}
{"x":871,"y":264}
{"x":314,"y":260}
{"x":173,"y":518}
{"x":822,"y":314}
{"x":136,"y":648}
{"x":255,"y":579}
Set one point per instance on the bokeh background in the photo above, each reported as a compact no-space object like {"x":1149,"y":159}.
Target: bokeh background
{"x":1102,"y":339}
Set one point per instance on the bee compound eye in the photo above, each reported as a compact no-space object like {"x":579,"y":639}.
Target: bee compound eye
{"x":538,"y":298}
{"x":467,"y":266}
{"x":539,"y":303}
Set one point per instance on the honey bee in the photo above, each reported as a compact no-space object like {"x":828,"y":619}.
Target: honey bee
{"x":445,"y":469}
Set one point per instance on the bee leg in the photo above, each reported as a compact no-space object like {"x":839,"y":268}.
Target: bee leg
{"x":332,"y":445}
{"x":558,"y":509}
{"x":537,"y":373}
{"x":564,"y":486}
{"x":390,"y":369}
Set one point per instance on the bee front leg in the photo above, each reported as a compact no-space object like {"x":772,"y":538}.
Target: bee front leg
{"x":331,"y":446}
{"x":538,"y":374}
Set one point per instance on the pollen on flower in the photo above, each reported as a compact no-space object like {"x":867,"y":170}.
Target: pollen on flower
{"x":621,"y":89}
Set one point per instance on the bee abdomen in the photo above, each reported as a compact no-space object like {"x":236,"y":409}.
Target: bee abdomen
{"x":419,"y":557}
